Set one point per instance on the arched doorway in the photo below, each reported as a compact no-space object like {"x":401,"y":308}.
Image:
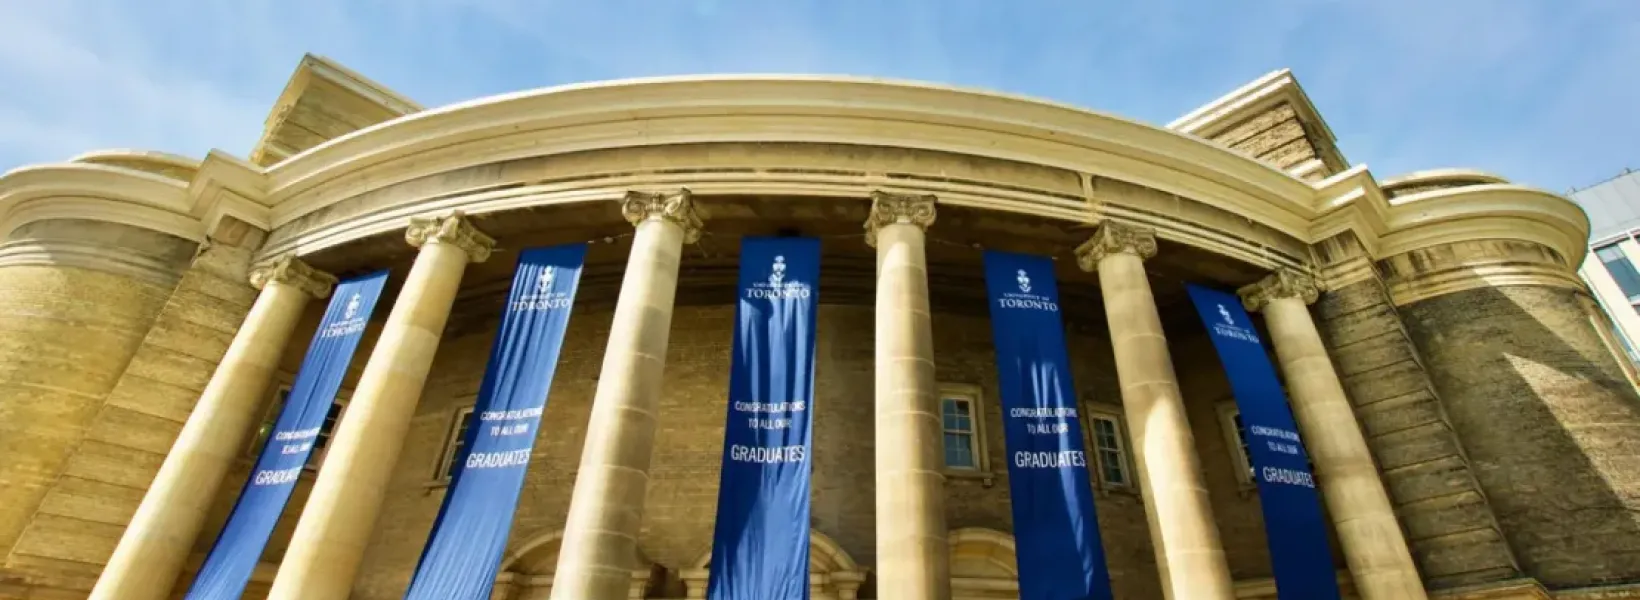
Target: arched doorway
{"x":527,"y":573}
{"x":833,"y":574}
{"x":983,"y":565}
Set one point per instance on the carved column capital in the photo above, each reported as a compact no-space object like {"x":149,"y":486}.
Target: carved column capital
{"x":888,"y":209}
{"x":677,"y":207}
{"x":1115,"y":238}
{"x":292,"y":272}
{"x":453,"y":229}
{"x":1284,"y":283}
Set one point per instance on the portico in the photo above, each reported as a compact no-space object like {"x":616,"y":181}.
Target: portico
{"x":909,"y":487}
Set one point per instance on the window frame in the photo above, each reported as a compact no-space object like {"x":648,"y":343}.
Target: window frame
{"x":274,"y":405}
{"x":1236,"y":443}
{"x":1124,"y":447}
{"x":975,"y":397}
{"x":453,"y":431}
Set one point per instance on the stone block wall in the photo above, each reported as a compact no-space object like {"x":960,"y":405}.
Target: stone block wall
{"x":1549,"y":421}
{"x":67,"y":334}
{"x":1448,"y":522}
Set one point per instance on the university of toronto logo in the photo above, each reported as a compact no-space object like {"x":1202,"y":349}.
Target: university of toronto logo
{"x":543,"y":282}
{"x":1024,"y":282}
{"x":777,"y":287}
{"x":543,"y":297}
{"x":350,"y":323}
{"x":1229,"y":328}
{"x":352,"y":307}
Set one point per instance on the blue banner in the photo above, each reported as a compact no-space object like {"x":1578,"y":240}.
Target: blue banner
{"x":1056,"y":533}
{"x":1297,"y":533}
{"x":760,"y":549}
{"x":463,"y":552}
{"x":232,"y":559}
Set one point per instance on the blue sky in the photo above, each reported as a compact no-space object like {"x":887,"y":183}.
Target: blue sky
{"x":1546,"y":93}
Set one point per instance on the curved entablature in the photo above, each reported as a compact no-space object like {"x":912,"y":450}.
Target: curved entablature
{"x":1421,"y":181}
{"x":819,"y":137}
{"x":180,"y":168}
{"x":96,"y":192}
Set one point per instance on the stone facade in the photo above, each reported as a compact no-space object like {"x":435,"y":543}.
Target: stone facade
{"x":1490,"y":428}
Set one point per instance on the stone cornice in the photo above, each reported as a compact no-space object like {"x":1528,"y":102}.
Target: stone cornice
{"x":677,"y":208}
{"x":1115,"y":238}
{"x":796,"y":110}
{"x":99,"y":193}
{"x":293,"y":272}
{"x":1284,"y":283}
{"x":889,"y":209}
{"x":453,"y":229}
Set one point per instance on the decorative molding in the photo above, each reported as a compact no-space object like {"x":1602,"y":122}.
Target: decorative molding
{"x":61,"y":253}
{"x":1284,"y":283}
{"x":891,"y":209}
{"x":290,"y":271}
{"x":1115,"y":238}
{"x":1347,"y":272}
{"x":453,"y":229}
{"x":1469,"y":277}
{"x":795,"y":110}
{"x":677,"y":208}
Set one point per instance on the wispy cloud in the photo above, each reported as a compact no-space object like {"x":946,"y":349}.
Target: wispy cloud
{"x":1537,"y":90}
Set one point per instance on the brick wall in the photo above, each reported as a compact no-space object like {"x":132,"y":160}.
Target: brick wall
{"x":1549,"y":421}
{"x":66,"y":335}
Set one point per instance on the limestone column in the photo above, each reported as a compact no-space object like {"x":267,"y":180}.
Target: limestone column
{"x":913,"y":559}
{"x":155,"y":545}
{"x":606,"y":508}
{"x":1374,"y":547}
{"x":335,"y":527}
{"x":1189,"y":554}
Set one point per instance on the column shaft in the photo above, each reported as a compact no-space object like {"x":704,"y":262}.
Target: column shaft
{"x":1189,"y":554}
{"x":595,"y":559}
{"x":1375,"y":549}
{"x":336,"y":524}
{"x":913,"y":556}
{"x":151,"y":552}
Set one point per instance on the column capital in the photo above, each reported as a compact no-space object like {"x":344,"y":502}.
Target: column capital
{"x":888,"y":209}
{"x":1115,"y":238}
{"x":677,"y":207}
{"x":1284,"y":283}
{"x":453,"y":229}
{"x":291,"y":271}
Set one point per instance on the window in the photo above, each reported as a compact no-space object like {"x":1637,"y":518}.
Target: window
{"x":1622,"y":271}
{"x":281,"y":395}
{"x":962,"y":416}
{"x":958,"y":414}
{"x":1109,"y":442}
{"x":1235,"y":437}
{"x":455,"y":440}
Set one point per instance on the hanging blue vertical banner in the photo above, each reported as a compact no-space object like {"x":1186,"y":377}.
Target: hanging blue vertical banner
{"x":232,"y":559}
{"x":1297,"y":533}
{"x":1056,"y":533}
{"x":463,"y":552}
{"x":760,"y":549}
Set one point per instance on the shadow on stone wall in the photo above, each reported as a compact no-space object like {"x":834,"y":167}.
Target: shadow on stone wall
{"x":1550,"y":423}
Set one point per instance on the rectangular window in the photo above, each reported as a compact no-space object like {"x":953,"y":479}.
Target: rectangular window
{"x":281,"y":395}
{"x":1621,"y":269}
{"x":454,"y":442}
{"x":321,"y":444}
{"x":1109,"y":438}
{"x":958,"y":415}
{"x":1235,"y":436}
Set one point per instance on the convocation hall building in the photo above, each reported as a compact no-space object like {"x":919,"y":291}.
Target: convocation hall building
{"x":1473,"y":431}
